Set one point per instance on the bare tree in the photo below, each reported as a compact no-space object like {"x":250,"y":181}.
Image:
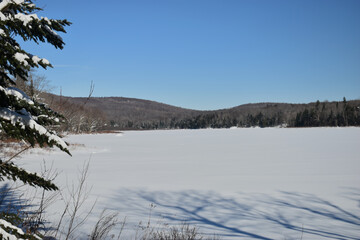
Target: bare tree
{"x":74,"y":214}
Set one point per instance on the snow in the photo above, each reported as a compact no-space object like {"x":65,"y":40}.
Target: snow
{"x":36,"y":59}
{"x":19,"y":94}
{"x":53,"y":32}
{"x":26,"y":18}
{"x":274,"y":183}
{"x":45,"y":61}
{"x":9,"y":225}
{"x":21,"y":57}
{"x":6,"y":235}
{"x":47,"y":20}
{"x":26,"y":120}
{"x":4,"y":3}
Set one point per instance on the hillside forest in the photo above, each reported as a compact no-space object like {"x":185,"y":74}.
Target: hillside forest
{"x":92,"y":114}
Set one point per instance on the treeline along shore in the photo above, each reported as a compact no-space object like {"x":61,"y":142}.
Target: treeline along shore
{"x":119,"y":113}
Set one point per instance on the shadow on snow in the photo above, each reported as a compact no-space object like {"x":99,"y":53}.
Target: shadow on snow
{"x":16,"y":203}
{"x":290,"y":215}
{"x":257,"y":216}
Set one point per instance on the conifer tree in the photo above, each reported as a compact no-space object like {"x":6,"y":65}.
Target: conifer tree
{"x":20,"y":116}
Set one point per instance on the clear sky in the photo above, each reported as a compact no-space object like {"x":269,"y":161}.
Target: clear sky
{"x":207,"y":54}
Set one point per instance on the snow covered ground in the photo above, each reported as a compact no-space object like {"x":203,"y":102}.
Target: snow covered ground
{"x":273,"y":183}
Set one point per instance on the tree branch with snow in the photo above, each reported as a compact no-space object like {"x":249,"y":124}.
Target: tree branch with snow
{"x":21,"y":117}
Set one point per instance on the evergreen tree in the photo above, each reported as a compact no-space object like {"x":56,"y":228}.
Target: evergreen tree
{"x":20,"y":116}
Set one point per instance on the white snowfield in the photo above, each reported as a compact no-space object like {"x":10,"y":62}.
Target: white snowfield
{"x":273,"y":183}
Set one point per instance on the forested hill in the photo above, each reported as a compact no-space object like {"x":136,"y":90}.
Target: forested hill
{"x":121,"y":109}
{"x":118,"y":113}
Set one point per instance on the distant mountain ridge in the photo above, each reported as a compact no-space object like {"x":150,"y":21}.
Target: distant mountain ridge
{"x":133,"y":113}
{"x":122,"y":108}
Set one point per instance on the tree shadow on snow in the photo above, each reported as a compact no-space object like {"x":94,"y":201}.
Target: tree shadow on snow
{"x":10,"y":201}
{"x":257,"y":216}
{"x":16,"y":203}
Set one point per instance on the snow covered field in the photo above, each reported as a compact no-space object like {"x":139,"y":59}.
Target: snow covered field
{"x":269,"y":183}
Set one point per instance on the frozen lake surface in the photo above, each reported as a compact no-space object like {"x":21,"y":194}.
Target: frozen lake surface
{"x":273,"y":183}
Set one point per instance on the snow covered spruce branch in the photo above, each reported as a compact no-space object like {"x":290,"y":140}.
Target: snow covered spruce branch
{"x":11,"y":232}
{"x":25,"y":119}
{"x":21,"y":117}
{"x":17,"y":18}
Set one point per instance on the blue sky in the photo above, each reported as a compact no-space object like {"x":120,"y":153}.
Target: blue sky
{"x":207,"y":54}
